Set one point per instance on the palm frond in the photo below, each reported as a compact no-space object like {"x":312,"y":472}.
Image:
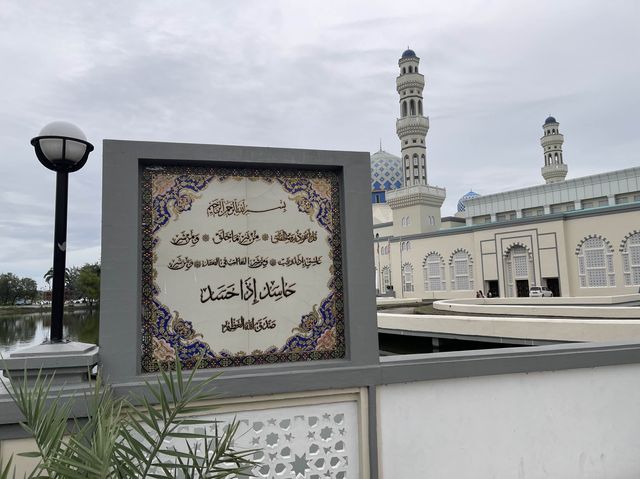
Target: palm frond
{"x":6,"y":472}
{"x":129,"y":437}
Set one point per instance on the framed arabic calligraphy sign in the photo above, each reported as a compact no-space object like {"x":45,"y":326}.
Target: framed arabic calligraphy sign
{"x":240,"y":266}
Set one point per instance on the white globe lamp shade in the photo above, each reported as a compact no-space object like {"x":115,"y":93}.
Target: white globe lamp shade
{"x":62,"y":147}
{"x":58,"y":150}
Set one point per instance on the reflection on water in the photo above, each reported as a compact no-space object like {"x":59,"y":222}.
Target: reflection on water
{"x":21,"y":330}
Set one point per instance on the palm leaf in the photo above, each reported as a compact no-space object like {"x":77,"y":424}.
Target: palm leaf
{"x":126,"y":437}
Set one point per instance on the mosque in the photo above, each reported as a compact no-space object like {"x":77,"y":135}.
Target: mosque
{"x":577,"y":236}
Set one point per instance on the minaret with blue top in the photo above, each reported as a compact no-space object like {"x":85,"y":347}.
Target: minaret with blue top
{"x":415,"y":206}
{"x":412,"y":126}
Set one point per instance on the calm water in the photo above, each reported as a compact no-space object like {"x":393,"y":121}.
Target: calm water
{"x":18,"y":331}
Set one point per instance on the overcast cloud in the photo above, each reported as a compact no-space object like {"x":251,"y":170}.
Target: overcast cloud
{"x":308,"y":74}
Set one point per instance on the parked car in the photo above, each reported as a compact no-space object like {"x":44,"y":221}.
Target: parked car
{"x":540,"y":292}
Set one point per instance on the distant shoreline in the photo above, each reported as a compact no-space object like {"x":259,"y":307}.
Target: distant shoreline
{"x":42,"y":308}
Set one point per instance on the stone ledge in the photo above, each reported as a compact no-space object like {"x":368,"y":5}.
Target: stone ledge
{"x":69,"y":360}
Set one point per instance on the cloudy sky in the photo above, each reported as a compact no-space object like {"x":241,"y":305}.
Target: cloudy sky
{"x":308,"y":74}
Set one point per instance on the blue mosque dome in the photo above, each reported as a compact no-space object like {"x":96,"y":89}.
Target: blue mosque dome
{"x":408,"y":53}
{"x":550,"y":119}
{"x":465,"y":197}
{"x":386,"y":174}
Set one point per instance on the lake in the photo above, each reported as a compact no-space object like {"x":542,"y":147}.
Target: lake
{"x":21,"y":330}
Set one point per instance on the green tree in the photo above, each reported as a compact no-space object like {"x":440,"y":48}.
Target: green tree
{"x":88,"y":282}
{"x":8,"y":284}
{"x":12,"y":288}
{"x":48,"y":277}
{"x":71,"y":280}
{"x":28,"y":289}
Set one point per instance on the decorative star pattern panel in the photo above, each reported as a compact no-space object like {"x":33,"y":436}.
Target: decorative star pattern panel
{"x":386,"y":172}
{"x":312,"y":442}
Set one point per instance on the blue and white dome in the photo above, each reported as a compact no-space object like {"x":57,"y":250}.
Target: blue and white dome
{"x":465,"y":197}
{"x":386,"y":171}
{"x":386,"y":175}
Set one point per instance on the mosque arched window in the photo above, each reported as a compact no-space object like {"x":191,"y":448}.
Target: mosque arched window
{"x":410,"y":69}
{"x":404,"y":70}
{"x":407,"y":278}
{"x":412,"y":107}
{"x":386,"y":278}
{"x":433,"y":269}
{"x":461,"y":271}
{"x":595,"y":263}
{"x":404,"y":109}
{"x":419,"y":107}
{"x":631,"y":260}
{"x":405,"y":245}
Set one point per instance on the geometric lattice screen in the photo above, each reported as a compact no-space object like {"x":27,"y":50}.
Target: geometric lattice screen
{"x":312,"y":442}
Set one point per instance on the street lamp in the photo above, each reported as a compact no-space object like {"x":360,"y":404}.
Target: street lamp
{"x":63,"y":148}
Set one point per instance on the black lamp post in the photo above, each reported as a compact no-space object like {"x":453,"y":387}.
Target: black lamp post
{"x":63,"y":148}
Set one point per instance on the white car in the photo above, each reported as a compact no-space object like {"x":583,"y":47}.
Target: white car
{"x":540,"y":292}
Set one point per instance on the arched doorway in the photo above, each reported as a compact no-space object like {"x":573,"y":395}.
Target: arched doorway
{"x":518,"y":271}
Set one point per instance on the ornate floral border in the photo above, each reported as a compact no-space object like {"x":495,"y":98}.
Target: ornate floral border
{"x":320,"y":333}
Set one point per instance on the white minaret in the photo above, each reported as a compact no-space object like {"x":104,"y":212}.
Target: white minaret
{"x":415,"y":206}
{"x":554,"y":169}
{"x":412,"y":126}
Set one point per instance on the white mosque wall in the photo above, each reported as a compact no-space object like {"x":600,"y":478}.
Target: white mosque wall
{"x":551,"y":246}
{"x":605,"y":186}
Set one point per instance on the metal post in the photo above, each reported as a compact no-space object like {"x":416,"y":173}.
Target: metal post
{"x":59,"y":256}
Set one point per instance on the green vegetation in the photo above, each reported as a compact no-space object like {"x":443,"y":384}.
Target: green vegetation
{"x":80,"y":282}
{"x":88,"y":282}
{"x":13,"y":288}
{"x":124,"y":438}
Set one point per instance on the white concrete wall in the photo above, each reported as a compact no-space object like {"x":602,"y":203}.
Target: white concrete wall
{"x":547,"y":329}
{"x":565,"y":307}
{"x":581,"y":423}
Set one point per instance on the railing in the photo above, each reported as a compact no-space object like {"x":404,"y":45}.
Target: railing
{"x":410,"y":80}
{"x":415,"y":122}
{"x":416,"y":190}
